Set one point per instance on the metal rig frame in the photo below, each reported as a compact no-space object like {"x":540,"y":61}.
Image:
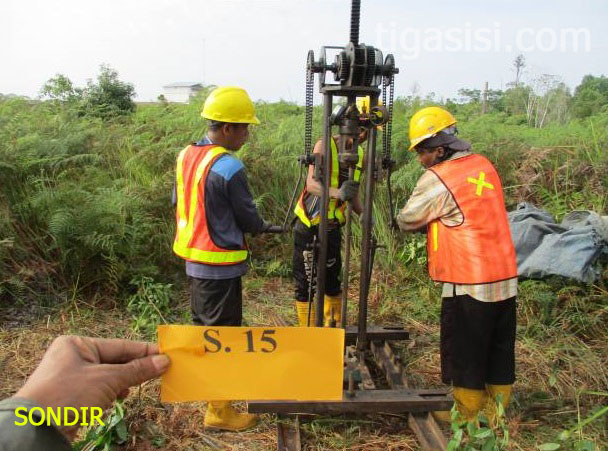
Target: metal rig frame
{"x":358,"y":71}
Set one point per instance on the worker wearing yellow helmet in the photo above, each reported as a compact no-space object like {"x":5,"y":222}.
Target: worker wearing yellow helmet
{"x":214,"y":210}
{"x":459,"y":202}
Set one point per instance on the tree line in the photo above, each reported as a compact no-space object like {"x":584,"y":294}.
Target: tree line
{"x":544,"y":99}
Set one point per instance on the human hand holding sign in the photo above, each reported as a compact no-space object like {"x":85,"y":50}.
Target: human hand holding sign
{"x":85,"y":372}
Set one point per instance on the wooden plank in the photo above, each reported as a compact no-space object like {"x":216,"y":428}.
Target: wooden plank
{"x":365,"y":401}
{"x":427,"y":431}
{"x":288,"y":436}
{"x":418,"y":403}
{"x":433,"y":425}
{"x":395,"y":358}
{"x":382,"y":355}
{"x":376,"y":333}
{"x":367,"y":383}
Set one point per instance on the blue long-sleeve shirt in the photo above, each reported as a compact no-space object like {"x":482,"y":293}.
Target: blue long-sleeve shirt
{"x":230,"y":214}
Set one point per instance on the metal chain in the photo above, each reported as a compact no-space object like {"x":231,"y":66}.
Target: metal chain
{"x":355,"y":17}
{"x":387,"y":136}
{"x":385,"y":149}
{"x":308,"y":121}
{"x":389,"y":125}
{"x":388,"y":128}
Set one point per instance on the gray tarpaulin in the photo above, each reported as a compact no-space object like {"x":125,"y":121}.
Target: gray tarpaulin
{"x":571,"y":249}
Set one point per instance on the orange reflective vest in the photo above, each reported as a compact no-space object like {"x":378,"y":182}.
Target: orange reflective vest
{"x":336,"y":207}
{"x":480,"y":249}
{"x":192,"y":239}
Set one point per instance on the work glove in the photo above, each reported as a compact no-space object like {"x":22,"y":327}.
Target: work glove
{"x":269,"y":228}
{"x":348,"y":190}
{"x":275,"y":229}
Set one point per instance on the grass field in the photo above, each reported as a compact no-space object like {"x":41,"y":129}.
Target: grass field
{"x":85,"y":249}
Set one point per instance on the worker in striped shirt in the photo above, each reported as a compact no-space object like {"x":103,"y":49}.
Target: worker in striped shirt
{"x":459,"y":201}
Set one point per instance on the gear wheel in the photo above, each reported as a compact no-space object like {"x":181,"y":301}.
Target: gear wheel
{"x":310,"y":61}
{"x":371,"y":66}
{"x":359,"y":74}
{"x":343,"y":66}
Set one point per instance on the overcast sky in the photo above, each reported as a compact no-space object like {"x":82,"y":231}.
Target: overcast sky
{"x":440,"y":46}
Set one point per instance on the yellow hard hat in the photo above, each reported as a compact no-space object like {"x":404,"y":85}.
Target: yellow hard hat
{"x":363,"y":104}
{"x":230,"y":104}
{"x":427,"y":122}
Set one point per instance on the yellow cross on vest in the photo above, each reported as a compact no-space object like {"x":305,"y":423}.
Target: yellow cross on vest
{"x":481,"y":183}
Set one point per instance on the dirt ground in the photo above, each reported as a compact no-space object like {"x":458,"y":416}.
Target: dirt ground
{"x":26,"y":333}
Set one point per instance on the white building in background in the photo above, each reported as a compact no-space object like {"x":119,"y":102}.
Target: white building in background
{"x":181,"y":92}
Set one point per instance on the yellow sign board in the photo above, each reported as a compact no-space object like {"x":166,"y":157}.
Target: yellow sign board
{"x":213,"y":363}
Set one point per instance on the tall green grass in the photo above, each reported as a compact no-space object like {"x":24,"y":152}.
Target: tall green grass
{"x":86,"y":203}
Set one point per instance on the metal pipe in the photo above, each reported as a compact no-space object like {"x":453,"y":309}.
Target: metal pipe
{"x":366,"y":233}
{"x":351,"y":385}
{"x":293,"y":197}
{"x":312,"y":278}
{"x":346,"y":265}
{"x":352,"y":100}
{"x":389,"y":190}
{"x":322,"y":262}
{"x":373,"y":248}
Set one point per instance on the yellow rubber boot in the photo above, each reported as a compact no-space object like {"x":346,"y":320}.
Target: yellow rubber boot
{"x":332,"y":310}
{"x":493,"y":391}
{"x":302,"y":309}
{"x":445,"y":416}
{"x":221,"y":415}
{"x":469,"y":402}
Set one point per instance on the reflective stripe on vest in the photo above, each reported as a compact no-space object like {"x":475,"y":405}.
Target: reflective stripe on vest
{"x":336,"y":208}
{"x":192,"y":239}
{"x":480,"y":250}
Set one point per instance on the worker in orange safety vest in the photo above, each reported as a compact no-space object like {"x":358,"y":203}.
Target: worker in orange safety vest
{"x":214,"y":209}
{"x":459,"y":202}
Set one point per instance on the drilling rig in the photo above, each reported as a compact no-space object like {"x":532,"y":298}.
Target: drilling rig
{"x":357,"y":71}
